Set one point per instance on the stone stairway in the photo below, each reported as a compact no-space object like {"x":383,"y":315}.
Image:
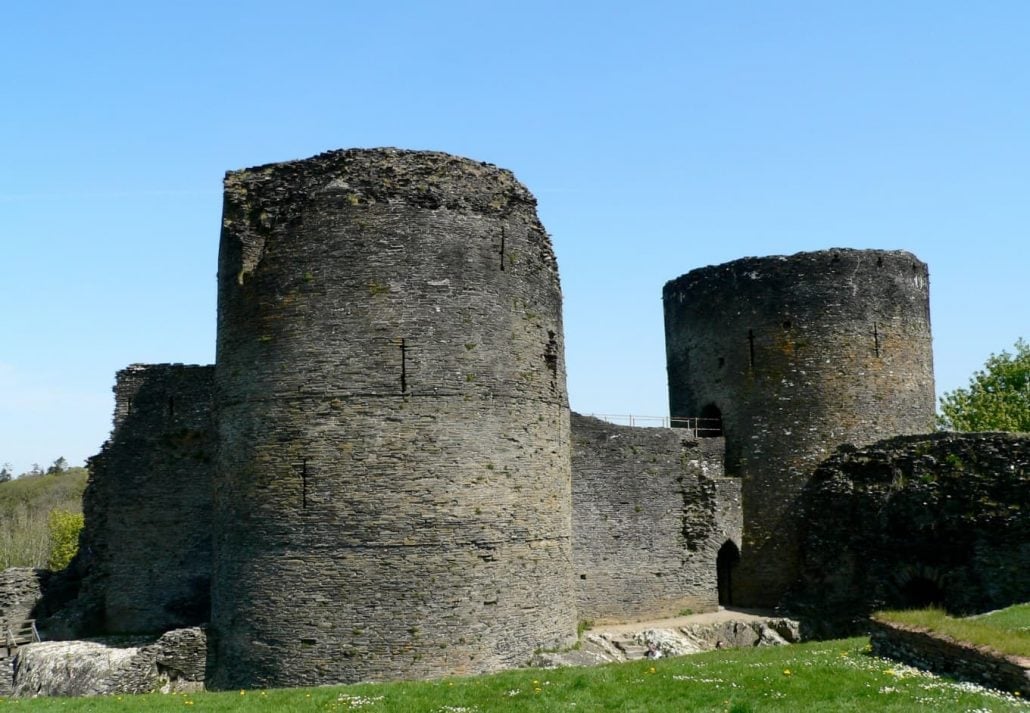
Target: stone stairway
{"x":16,"y":635}
{"x":11,"y":637}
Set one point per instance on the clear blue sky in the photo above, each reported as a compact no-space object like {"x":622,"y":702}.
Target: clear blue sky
{"x":657,"y":136}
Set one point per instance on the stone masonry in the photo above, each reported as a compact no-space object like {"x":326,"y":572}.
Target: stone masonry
{"x":948,"y":657}
{"x":651,"y":508}
{"x":916,"y":520}
{"x":147,"y":547}
{"x":797,"y":355}
{"x":379,"y":477}
{"x":21,"y":590}
{"x":392,"y":491}
{"x":376,"y":475}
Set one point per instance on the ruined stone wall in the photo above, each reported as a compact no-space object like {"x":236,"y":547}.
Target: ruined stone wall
{"x":948,"y":657}
{"x":21,"y":591}
{"x":146,"y":545}
{"x":799,"y":354}
{"x":651,"y":508}
{"x":933,"y":519}
{"x":393,"y":490}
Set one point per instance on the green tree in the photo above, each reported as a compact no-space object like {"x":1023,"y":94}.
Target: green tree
{"x":64,"y":530}
{"x":59,"y":466}
{"x":998,"y":397}
{"x":6,"y":473}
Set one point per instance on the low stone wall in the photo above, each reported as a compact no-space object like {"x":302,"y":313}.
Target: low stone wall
{"x":651,"y":508}
{"x":21,"y":591}
{"x":946,"y":656}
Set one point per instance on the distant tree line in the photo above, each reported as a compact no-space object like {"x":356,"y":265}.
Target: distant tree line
{"x":58,"y":467}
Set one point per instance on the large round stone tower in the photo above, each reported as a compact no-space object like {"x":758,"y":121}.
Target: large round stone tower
{"x":393,"y":482}
{"x":797,"y":355}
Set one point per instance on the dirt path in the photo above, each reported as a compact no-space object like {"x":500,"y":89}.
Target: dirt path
{"x":675,"y":636}
{"x":723,"y":614}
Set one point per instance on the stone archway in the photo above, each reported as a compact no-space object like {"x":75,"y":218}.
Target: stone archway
{"x":919,"y":592}
{"x":710,"y":423}
{"x":725,"y":562}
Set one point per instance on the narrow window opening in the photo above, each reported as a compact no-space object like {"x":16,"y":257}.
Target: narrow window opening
{"x":404,"y":366}
{"x":502,"y":248}
{"x":876,"y":339}
{"x":751,"y":348}
{"x":171,"y":405}
{"x":879,"y":261}
{"x":722,"y":362}
{"x":304,"y":484}
{"x":786,"y":324}
{"x":551,"y":359}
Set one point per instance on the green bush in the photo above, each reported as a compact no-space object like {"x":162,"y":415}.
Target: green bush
{"x":63,"y":528}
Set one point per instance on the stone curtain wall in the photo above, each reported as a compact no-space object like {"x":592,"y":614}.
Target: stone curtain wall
{"x":800,"y":354}
{"x":651,"y":509}
{"x":393,"y":492}
{"x":941,"y":518}
{"x":146,"y":545}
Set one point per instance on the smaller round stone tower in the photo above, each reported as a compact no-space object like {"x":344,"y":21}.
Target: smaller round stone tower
{"x":393,"y":487}
{"x":797,"y":355}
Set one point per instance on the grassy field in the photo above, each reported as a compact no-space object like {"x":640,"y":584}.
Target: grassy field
{"x":1006,"y":630}
{"x":820,"y":676}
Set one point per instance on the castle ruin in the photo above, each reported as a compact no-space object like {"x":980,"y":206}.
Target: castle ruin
{"x":380,"y":476}
{"x":380,"y":461}
{"x":796,"y":356}
{"x":393,"y":470}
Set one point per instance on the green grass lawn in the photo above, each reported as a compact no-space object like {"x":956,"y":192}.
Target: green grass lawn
{"x":1006,"y":630}
{"x":819,"y":676}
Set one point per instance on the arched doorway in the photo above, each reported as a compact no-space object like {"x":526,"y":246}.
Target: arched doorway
{"x":725,"y":562}
{"x":710,"y":423}
{"x":919,"y":592}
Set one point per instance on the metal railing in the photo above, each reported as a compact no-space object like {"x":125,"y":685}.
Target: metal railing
{"x":698,"y":427}
{"x":23,"y":633}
